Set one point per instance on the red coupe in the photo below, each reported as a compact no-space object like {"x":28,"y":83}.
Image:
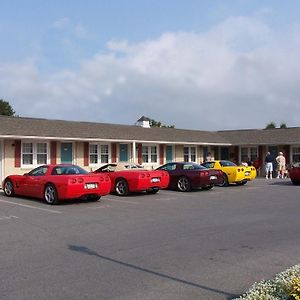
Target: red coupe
{"x":56,"y":182}
{"x":294,"y":174}
{"x":185,"y":176}
{"x":128,"y":177}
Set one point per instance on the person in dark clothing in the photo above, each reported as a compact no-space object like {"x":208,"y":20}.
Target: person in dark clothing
{"x":269,"y":165}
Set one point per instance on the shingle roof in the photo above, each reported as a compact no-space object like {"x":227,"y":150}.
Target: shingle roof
{"x":31,"y":127}
{"x":60,"y":129}
{"x":277,"y":136}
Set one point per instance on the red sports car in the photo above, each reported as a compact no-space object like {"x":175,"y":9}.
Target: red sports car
{"x":126,"y":178}
{"x":56,"y":182}
{"x":294,"y":174}
{"x":185,"y":176}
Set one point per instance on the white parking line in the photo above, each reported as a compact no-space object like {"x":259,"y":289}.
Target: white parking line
{"x":122,"y":201}
{"x":8,"y":218}
{"x":34,"y":207}
{"x":99,"y":206}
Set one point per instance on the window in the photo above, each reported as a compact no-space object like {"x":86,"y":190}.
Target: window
{"x":249,"y":153}
{"x":168,"y":167}
{"x":34,"y":153}
{"x":189,"y":154}
{"x":296,"y":154}
{"x":40,"y":171}
{"x":99,"y":154}
{"x":93,"y":154}
{"x":149,"y":154}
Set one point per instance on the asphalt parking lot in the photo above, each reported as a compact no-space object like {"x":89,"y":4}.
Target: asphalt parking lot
{"x":198,"y":245}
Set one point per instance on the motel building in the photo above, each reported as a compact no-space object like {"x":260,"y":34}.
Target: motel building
{"x":26,"y":143}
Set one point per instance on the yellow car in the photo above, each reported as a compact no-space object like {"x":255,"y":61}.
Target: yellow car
{"x":232,"y":173}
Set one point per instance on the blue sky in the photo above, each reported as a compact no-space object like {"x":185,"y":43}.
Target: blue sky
{"x":170,"y":60}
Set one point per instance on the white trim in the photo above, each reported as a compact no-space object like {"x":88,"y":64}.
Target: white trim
{"x":99,"y":163}
{"x":189,"y":154}
{"x":34,"y":153}
{"x":62,"y":139}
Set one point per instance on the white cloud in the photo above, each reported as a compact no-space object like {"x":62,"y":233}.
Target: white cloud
{"x":239,"y":74}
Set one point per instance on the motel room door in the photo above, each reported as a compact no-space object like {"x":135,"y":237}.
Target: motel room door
{"x":169,"y":153}
{"x":123,"y":152}
{"x":66,"y":153}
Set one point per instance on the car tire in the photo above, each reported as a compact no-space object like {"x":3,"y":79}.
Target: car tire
{"x":153,"y":191}
{"x":9,"y":188}
{"x":50,"y":194}
{"x":206,"y":188}
{"x":183,"y":184}
{"x":224,"y":180}
{"x":121,"y":187}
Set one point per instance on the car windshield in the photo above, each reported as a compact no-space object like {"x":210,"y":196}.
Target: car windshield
{"x":68,"y":170}
{"x":209,"y":165}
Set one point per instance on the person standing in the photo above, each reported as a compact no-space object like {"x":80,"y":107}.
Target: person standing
{"x":280,"y":159}
{"x":269,"y":165}
{"x":208,"y":157}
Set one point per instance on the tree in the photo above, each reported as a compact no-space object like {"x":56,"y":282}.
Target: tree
{"x":271,"y":125}
{"x":154,"y":123}
{"x":283,"y":125}
{"x":6,"y":109}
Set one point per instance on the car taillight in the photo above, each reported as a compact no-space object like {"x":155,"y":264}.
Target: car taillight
{"x":73,"y":180}
{"x":101,"y":178}
{"x":80,"y":180}
{"x":204,"y":173}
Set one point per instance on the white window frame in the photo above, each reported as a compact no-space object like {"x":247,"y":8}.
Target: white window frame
{"x":34,"y":153}
{"x":149,"y":153}
{"x":292,"y":153}
{"x":99,"y":162}
{"x":190,"y":153}
{"x":248,"y":153}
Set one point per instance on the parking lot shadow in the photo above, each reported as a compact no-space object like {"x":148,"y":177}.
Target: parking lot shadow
{"x":87,"y":251}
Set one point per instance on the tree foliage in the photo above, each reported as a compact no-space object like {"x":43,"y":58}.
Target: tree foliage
{"x":6,"y":109}
{"x":154,"y":123}
{"x":283,"y":125}
{"x":271,"y":125}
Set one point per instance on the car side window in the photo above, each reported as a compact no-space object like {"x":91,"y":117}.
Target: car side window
{"x":40,"y":171}
{"x":209,"y":165}
{"x":169,"y":167}
{"x":188,"y":167}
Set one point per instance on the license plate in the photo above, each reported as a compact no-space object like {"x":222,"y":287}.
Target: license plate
{"x":90,"y":186}
{"x":155,"y":179}
{"x":213,"y":177}
{"x":247,"y":173}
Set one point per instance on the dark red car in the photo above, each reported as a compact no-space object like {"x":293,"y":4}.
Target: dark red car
{"x":185,"y":176}
{"x":294,"y":174}
{"x":56,"y":182}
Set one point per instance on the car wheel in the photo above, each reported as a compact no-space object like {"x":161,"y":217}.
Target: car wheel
{"x":121,"y":187}
{"x":206,"y":188}
{"x":224,"y":180}
{"x":9,"y":188}
{"x":183,"y":184}
{"x":50,"y":194}
{"x":153,"y":191}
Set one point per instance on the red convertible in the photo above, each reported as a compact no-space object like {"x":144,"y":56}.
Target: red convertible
{"x":129,"y":177}
{"x":185,"y":176}
{"x":56,"y":182}
{"x":294,"y":174}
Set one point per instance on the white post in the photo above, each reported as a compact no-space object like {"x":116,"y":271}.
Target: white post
{"x":134,"y":152}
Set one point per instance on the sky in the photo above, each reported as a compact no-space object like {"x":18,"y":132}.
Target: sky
{"x":207,"y":65}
